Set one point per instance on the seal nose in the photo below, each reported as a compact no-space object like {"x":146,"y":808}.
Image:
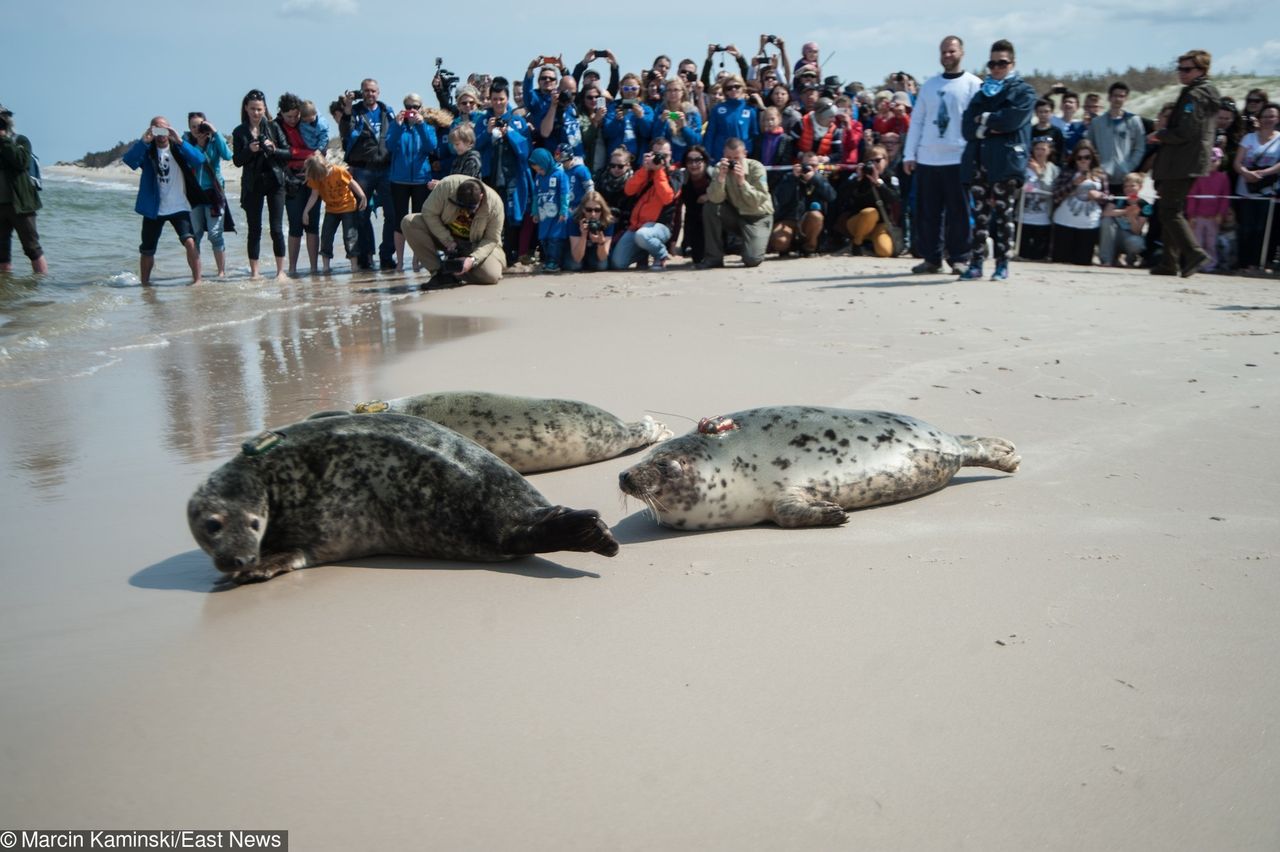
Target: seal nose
{"x":624,"y":480}
{"x":245,"y":561}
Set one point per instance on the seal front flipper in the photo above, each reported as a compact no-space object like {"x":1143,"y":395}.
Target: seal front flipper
{"x":272,"y":565}
{"x":554,"y":528}
{"x":648,"y":431}
{"x":799,"y":510}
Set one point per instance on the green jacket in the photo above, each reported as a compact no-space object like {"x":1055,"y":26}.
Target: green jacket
{"x":750,"y":198}
{"x":1187,"y":140}
{"x":15,"y":157}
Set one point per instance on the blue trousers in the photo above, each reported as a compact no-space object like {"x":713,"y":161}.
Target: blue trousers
{"x":647,"y":241}
{"x":941,"y":201}
{"x":376,"y":184}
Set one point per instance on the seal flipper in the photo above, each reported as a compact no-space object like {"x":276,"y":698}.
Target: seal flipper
{"x":272,"y":566}
{"x":559,"y":528}
{"x":989,"y":452}
{"x":798,"y":510}
{"x":648,"y":431}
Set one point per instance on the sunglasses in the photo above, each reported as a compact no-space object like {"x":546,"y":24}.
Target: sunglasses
{"x":593,"y":209}
{"x":734,"y":88}
{"x":691,"y":160}
{"x":256,"y":95}
{"x":617,"y":165}
{"x":999,"y":63}
{"x":546,"y":79}
{"x":416,"y":106}
{"x":630,"y":88}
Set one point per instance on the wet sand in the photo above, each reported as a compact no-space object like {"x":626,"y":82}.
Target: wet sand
{"x":1078,"y":656}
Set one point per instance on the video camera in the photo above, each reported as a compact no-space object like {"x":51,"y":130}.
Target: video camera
{"x":448,"y":79}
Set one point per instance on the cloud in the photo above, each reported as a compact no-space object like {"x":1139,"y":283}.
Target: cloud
{"x":1262,"y":59}
{"x":329,"y":7}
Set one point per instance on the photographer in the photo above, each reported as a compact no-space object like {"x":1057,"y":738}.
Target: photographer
{"x":167,"y":184}
{"x":538,"y":99}
{"x":585,"y":77}
{"x":629,"y":123}
{"x":207,"y":211}
{"x":800,"y":207}
{"x":365,"y":127}
{"x":560,"y":124}
{"x":412,"y":142}
{"x":772,"y":63}
{"x":655,"y":186}
{"x":462,"y":220}
{"x":590,"y":235}
{"x":19,"y":198}
{"x":504,"y":141}
{"x":830,"y":134}
{"x":738,"y":205}
{"x":872,"y":204}
{"x":678,"y":120}
{"x":732,"y":118}
{"x":260,"y":150}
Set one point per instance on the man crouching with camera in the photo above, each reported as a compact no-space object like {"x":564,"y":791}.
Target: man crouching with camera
{"x":738,"y":206}
{"x":458,"y":234}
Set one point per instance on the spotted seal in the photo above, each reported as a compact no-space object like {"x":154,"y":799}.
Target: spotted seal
{"x":801,"y":466}
{"x":343,"y":487}
{"x":529,"y":433}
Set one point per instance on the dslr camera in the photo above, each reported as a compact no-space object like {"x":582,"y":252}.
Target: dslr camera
{"x":867,"y":170}
{"x":659,"y":158}
{"x":204,"y":127}
{"x":720,"y":48}
{"x":448,"y":79}
{"x":594,"y":226}
{"x":564,"y":98}
{"x":771,"y":39}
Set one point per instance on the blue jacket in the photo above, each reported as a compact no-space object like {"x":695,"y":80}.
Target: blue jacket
{"x":1004,"y":145}
{"x":566,"y":129}
{"x":505,"y":164}
{"x":552,"y":211}
{"x":411,"y":149}
{"x":189,"y":159}
{"x":214,"y":153}
{"x":728,"y":119}
{"x":690,"y":134}
{"x":580,"y":182}
{"x":315,"y":134}
{"x":628,"y":130}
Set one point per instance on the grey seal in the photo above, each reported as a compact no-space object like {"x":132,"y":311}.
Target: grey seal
{"x":529,"y":433}
{"x":801,"y":466}
{"x":344,"y":487}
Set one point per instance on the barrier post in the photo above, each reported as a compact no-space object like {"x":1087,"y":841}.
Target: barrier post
{"x":1266,"y":235}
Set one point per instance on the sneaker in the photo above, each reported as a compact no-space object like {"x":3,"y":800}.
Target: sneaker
{"x":658,"y":265}
{"x":924,"y":267}
{"x":972,"y":272}
{"x":959,"y":268}
{"x":441,"y":281}
{"x":1002,"y":271}
{"x":709,"y":264}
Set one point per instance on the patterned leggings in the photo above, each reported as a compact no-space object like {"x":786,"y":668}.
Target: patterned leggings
{"x":994,"y":207}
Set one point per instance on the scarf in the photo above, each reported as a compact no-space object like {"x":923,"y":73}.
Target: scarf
{"x":992,"y":87}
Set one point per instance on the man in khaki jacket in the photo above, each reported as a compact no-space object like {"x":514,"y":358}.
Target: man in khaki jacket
{"x":738,"y":205}
{"x":462,"y":218}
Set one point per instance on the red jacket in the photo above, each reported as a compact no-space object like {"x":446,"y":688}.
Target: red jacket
{"x":656,"y":197}
{"x":839,"y":144}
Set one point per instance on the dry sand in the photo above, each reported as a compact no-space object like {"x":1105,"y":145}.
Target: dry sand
{"x":1080,"y":656}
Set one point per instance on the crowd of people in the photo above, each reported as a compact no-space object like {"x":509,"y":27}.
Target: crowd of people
{"x":592,"y":168}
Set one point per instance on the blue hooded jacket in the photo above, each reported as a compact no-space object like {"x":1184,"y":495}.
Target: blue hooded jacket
{"x":512,"y":156}
{"x":552,"y":188}
{"x":139,"y":156}
{"x":411,"y":149}
{"x":997,"y":130}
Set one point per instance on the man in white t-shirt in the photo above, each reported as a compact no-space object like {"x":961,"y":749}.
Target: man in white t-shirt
{"x":165,"y":192}
{"x":932,"y":153}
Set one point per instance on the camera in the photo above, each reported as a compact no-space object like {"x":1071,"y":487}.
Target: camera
{"x":807,"y":168}
{"x":158,"y":131}
{"x":448,"y":79}
{"x":453,"y":265}
{"x":720,"y":48}
{"x":204,"y":127}
{"x":499,"y":122}
{"x":600,"y":51}
{"x":868,"y":170}
{"x":564,"y":98}
{"x":771,"y":39}
{"x":659,"y":158}
{"x":627,"y":103}
{"x":689,"y":76}
{"x":763,"y":60}
{"x":594,"y":226}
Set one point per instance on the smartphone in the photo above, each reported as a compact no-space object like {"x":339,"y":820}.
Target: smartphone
{"x":159,"y":131}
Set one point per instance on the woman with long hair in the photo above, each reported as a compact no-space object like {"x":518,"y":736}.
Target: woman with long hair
{"x":1079,"y":196}
{"x":261,"y":151}
{"x":590,"y":234}
{"x":1258,"y":163}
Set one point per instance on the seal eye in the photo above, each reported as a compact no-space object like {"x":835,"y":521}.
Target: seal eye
{"x":255,"y":524}
{"x":213,"y":526}
{"x":671,"y":467}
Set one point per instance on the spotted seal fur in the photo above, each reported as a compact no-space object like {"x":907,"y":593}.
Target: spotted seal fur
{"x":343,"y":487}
{"x":529,"y":433}
{"x":801,"y":466}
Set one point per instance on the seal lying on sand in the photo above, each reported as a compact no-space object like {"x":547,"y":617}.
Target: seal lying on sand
{"x":529,"y":433}
{"x":343,"y":487}
{"x":801,"y":467}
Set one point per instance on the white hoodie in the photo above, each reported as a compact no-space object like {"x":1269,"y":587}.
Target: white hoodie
{"x":934,"y":138}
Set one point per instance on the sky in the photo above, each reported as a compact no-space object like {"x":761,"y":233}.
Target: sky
{"x":82,"y":76}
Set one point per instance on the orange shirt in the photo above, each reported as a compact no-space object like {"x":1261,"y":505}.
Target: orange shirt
{"x":335,"y":191}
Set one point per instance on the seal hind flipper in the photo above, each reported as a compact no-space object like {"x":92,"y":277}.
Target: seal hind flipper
{"x":990,"y":452}
{"x":648,"y":431}
{"x":800,"y":510}
{"x":560,"y":528}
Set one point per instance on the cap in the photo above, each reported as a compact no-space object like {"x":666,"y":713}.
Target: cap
{"x":825,"y":109}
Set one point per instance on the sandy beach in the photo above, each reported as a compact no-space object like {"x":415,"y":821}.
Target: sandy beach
{"x":1080,"y":656}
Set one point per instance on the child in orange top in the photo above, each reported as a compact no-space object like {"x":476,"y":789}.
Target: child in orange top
{"x":342,"y":197}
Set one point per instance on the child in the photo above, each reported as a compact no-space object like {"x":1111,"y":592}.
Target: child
{"x":551,"y":207}
{"x":466,"y":157}
{"x":1127,"y":219}
{"x":342,"y":198}
{"x":1037,"y":200}
{"x":1043,"y":128}
{"x":1207,"y":213}
{"x":315,"y":133}
{"x":579,"y":176}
